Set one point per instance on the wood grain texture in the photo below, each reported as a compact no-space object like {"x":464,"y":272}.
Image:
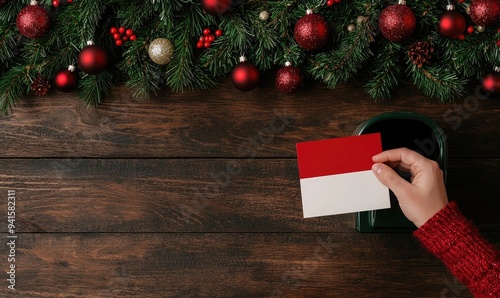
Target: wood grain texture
{"x":225,"y":122}
{"x":199,"y":195}
{"x":229,"y":265}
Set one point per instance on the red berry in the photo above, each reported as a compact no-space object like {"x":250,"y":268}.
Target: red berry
{"x":119,"y":42}
{"x":70,"y":1}
{"x":498,"y":43}
{"x":133,"y":37}
{"x":207,"y":44}
{"x":329,"y":3}
{"x":55,"y":3}
{"x":337,"y":1}
{"x":116,"y":36}
{"x":125,"y":38}
{"x":206,"y":31}
{"x":121,"y":29}
{"x":210,"y":38}
{"x":199,"y":45}
{"x":461,"y":37}
{"x":113,"y":30}
{"x":218,"y":32}
{"x":470,"y":29}
{"x":129,"y":32}
{"x":202,"y":38}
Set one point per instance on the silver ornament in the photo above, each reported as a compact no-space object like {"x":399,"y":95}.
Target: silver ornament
{"x":263,"y":15}
{"x":161,"y":51}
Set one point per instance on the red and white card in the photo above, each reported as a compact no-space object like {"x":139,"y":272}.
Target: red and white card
{"x":336,"y":176}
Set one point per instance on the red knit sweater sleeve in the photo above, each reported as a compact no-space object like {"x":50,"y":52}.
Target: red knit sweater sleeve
{"x":457,"y":243}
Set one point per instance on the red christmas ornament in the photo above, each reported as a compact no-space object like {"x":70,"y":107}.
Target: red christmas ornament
{"x":66,"y":80}
{"x":491,"y":82}
{"x":33,"y":21}
{"x":245,"y":76}
{"x":485,"y":12}
{"x":452,"y":23}
{"x":218,"y":7}
{"x":289,"y":78}
{"x":92,"y":59}
{"x":397,"y":22}
{"x":311,"y":31}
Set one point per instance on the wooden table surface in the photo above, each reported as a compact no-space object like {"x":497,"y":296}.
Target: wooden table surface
{"x":197,"y":195}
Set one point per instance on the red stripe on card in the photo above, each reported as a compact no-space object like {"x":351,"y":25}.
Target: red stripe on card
{"x":338,"y":155}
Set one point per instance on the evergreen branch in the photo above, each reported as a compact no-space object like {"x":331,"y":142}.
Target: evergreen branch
{"x":437,"y":81}
{"x":7,"y":43}
{"x":93,"y":88}
{"x":386,"y":71}
{"x":12,"y":87}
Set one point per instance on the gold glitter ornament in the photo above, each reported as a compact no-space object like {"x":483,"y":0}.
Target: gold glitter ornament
{"x":161,"y":51}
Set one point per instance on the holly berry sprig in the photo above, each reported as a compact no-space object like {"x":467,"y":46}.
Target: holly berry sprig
{"x":121,"y":35}
{"x":206,"y":39}
{"x":56,"y":3}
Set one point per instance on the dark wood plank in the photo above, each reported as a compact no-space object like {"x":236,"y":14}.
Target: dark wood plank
{"x":198,"y":195}
{"x":225,"y":122}
{"x":228,"y":265}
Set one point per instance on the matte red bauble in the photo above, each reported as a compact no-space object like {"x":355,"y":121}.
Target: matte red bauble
{"x":218,"y":7}
{"x":485,"y":12}
{"x":289,"y":78}
{"x":33,"y":21}
{"x":245,"y":76}
{"x":452,"y":24}
{"x":311,"y":31}
{"x":66,"y":80}
{"x":491,"y":82}
{"x":397,"y":22}
{"x":92,"y":59}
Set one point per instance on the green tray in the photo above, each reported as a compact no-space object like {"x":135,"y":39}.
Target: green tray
{"x":401,"y":129}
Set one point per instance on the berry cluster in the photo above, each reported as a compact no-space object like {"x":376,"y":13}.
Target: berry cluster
{"x":332,"y":2}
{"x":207,"y":38}
{"x":56,"y":3}
{"x":121,"y":35}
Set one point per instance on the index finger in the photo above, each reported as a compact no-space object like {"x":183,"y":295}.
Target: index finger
{"x":402,"y":155}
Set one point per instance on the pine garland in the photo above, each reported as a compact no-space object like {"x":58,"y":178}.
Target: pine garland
{"x":360,"y":52}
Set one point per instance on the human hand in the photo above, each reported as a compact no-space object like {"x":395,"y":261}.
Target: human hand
{"x":425,"y":195}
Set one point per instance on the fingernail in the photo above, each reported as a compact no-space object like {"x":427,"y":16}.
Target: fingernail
{"x":376,"y":168}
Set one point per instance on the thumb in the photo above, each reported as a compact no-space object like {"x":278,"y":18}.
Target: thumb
{"x":389,"y":178}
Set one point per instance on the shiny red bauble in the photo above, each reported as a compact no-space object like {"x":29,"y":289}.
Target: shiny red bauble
{"x":92,"y":59}
{"x":245,"y":76}
{"x":311,"y":31}
{"x":491,"y":83}
{"x":397,"y":22}
{"x":218,"y":7}
{"x":289,"y":79}
{"x":485,"y":12}
{"x":66,"y":81}
{"x":33,"y":21}
{"x":451,"y":24}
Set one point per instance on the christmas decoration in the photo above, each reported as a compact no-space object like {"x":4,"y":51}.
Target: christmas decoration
{"x":480,"y":29}
{"x":491,"y":82}
{"x":420,"y":52}
{"x":264,"y":15}
{"x":397,"y":22}
{"x":40,"y":86}
{"x":218,"y":7}
{"x":485,"y":12}
{"x":289,"y":78}
{"x":161,"y":51}
{"x":92,"y":59}
{"x":311,"y":31}
{"x":205,"y":41}
{"x":351,"y":27}
{"x":452,"y":23}
{"x":66,"y":80}
{"x":470,"y":29}
{"x":33,"y":21}
{"x":121,"y":35}
{"x":245,"y":76}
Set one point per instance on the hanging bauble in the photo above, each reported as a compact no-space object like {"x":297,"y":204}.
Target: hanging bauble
{"x":33,"y":21}
{"x":397,"y":22}
{"x":451,"y":23}
{"x":66,"y":80}
{"x":485,"y":12}
{"x":92,"y":59}
{"x":491,"y":82}
{"x":289,"y":78}
{"x":219,"y":7}
{"x":245,"y":76}
{"x":311,"y":31}
{"x":161,"y":51}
